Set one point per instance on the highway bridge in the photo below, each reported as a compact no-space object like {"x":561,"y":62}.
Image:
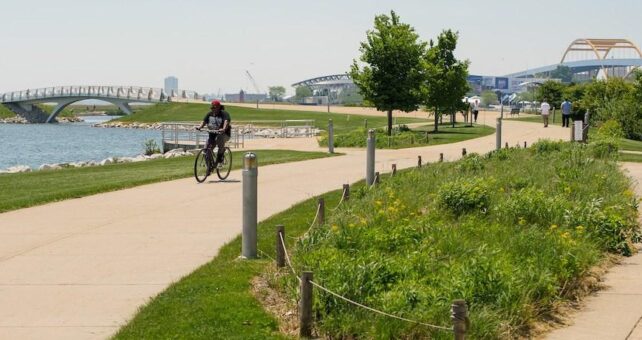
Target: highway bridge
{"x":24,"y":102}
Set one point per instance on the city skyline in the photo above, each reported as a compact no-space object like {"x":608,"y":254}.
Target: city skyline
{"x":212,"y":44}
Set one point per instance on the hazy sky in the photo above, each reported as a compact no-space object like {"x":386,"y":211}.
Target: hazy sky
{"x":208,"y":45}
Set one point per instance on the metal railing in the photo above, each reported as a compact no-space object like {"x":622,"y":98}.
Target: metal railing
{"x":133,"y":93}
{"x":278,"y":128}
{"x":184,"y":135}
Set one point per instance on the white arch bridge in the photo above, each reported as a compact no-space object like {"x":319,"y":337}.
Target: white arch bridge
{"x":23,"y":102}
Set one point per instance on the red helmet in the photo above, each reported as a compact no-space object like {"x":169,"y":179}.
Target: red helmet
{"x":216,"y":103}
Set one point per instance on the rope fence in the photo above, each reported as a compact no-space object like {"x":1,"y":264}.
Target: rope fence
{"x":459,"y":308}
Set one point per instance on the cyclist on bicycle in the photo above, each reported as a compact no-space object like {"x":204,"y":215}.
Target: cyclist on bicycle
{"x":217,"y":119}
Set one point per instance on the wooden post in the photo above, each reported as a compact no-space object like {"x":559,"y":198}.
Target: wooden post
{"x":305,"y":307}
{"x":525,"y":145}
{"x":394,"y":169}
{"x":506,"y":145}
{"x":346,"y":192}
{"x":365,"y":123}
{"x":427,"y":138}
{"x":376,"y":178}
{"x":321,"y":207}
{"x":459,"y":317}
{"x":419,"y":161}
{"x":441,"y":157}
{"x":280,"y":251}
{"x":463,"y":152}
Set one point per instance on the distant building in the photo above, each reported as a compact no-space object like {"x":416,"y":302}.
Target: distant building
{"x":171,"y":84}
{"x":243,"y":97}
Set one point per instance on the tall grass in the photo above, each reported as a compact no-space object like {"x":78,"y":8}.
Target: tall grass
{"x":513,"y":233}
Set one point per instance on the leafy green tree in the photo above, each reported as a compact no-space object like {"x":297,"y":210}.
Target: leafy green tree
{"x":276,"y":93}
{"x":563,"y":73}
{"x":393,"y":75}
{"x":551,"y":92}
{"x":302,"y":92}
{"x":446,"y":82}
{"x":488,"y":98}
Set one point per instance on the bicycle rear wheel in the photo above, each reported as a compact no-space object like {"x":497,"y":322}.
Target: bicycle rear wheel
{"x":224,"y":170}
{"x":200,"y":166}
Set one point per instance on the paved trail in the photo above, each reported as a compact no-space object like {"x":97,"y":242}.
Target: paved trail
{"x":80,"y":268}
{"x":615,"y":312}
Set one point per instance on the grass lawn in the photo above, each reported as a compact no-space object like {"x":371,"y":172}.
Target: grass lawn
{"x":413,"y":138}
{"x":492,"y":230}
{"x":195,"y":112}
{"x":6,"y":113}
{"x":629,"y":157}
{"x":28,"y":189}
{"x":215,"y":302}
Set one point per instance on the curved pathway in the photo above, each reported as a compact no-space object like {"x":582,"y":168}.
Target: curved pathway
{"x":80,"y":268}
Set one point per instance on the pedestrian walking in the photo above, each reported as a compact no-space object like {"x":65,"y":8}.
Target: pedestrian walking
{"x":545,"y":110}
{"x":475,"y":110}
{"x":566,"y":112}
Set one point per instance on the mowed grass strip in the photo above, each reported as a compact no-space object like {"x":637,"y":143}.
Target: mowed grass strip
{"x":5,"y":112}
{"x":28,"y":189}
{"x":195,"y":112}
{"x":630,"y":157}
{"x":215,"y":301}
{"x":415,"y":137}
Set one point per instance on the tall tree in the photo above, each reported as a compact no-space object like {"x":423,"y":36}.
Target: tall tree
{"x":551,"y":92}
{"x":393,"y":74}
{"x":276,"y":93}
{"x":563,"y":73}
{"x":446,"y":82}
{"x":302,"y":92}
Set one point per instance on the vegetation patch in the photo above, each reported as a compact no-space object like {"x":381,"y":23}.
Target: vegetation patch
{"x":514,"y":233}
{"x":5,"y":112}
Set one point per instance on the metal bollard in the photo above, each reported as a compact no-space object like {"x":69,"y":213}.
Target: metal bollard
{"x":394,"y":169}
{"x":250,"y":174}
{"x":280,"y":251}
{"x":305,"y":306}
{"x":330,"y":136}
{"x":346,"y":192}
{"x":498,"y":134}
{"x":321,"y":207}
{"x":460,"y":320}
{"x":463,"y":152}
{"x":370,"y":157}
{"x":419,"y":161}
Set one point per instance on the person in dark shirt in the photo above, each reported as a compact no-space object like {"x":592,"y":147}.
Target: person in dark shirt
{"x":219,"y":120}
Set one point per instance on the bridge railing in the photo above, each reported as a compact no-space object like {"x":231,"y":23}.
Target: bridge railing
{"x":132,"y":93}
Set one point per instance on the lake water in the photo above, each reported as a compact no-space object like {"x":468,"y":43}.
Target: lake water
{"x":37,"y":144}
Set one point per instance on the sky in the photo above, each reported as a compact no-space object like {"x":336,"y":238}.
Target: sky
{"x":210,"y":44}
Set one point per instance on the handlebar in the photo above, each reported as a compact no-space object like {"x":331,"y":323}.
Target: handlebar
{"x":210,"y":131}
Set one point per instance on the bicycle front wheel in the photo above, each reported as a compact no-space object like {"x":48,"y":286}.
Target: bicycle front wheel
{"x":224,"y":170}
{"x":200,"y":166}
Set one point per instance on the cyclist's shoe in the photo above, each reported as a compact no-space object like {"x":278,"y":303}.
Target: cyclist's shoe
{"x":220,"y":165}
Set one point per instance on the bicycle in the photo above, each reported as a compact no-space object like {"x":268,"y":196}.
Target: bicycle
{"x":205,"y":162}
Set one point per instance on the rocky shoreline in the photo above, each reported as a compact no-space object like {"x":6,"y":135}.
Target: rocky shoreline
{"x":20,"y":120}
{"x":110,"y":160}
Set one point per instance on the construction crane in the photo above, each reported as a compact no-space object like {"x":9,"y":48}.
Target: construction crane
{"x":256,"y":86}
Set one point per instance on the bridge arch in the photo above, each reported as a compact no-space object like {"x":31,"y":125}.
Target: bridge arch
{"x":62,"y":104}
{"x":602,"y":48}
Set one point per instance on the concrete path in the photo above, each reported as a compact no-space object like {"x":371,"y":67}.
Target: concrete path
{"x":79,"y":269}
{"x":614,"y":312}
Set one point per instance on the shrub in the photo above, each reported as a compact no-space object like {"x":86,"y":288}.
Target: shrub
{"x":151,"y":147}
{"x":471,"y":163}
{"x":547,"y":146}
{"x":464,"y":195}
{"x":604,"y":149}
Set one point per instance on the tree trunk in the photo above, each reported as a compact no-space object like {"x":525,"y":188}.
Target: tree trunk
{"x":389,"y":122}
{"x":436,"y":120}
{"x":454,"y":117}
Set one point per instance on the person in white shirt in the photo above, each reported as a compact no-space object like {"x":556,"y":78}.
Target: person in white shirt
{"x":546,"y":110}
